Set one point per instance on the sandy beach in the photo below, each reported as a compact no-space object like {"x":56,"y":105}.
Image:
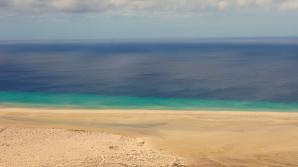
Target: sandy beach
{"x":77,"y":137}
{"x":29,"y":147}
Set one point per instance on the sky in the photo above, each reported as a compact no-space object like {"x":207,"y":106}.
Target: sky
{"x":146,"y":19}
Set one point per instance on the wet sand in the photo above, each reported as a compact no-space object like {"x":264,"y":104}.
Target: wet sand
{"x":204,"y":138}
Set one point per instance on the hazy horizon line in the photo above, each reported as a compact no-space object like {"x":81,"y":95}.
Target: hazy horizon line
{"x":260,"y":39}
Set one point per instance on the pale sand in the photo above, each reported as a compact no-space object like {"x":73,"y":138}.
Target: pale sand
{"x":203,"y":138}
{"x":26,"y":147}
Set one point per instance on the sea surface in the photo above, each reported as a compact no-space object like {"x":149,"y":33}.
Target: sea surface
{"x":214,"y":75}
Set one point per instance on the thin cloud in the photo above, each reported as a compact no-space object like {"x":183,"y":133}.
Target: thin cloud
{"x":142,"y":6}
{"x":4,"y":3}
{"x":290,"y":5}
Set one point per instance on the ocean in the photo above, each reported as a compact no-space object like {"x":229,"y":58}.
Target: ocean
{"x":219,"y":75}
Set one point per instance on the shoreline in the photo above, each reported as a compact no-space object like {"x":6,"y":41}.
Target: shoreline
{"x":202,"y":137}
{"x":93,"y":101}
{"x":57,"y":109}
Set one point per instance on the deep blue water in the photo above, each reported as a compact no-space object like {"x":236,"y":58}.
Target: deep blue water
{"x":259,"y":72}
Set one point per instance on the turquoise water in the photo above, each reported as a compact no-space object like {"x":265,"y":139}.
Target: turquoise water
{"x":133,"y":75}
{"x":122,"y":102}
{"x":229,"y":71}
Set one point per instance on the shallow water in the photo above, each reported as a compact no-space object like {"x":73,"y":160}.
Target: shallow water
{"x":151,"y":75}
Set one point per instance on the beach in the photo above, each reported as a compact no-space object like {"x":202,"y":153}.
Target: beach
{"x":80,"y":137}
{"x":29,"y":147}
{"x":148,"y":83}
